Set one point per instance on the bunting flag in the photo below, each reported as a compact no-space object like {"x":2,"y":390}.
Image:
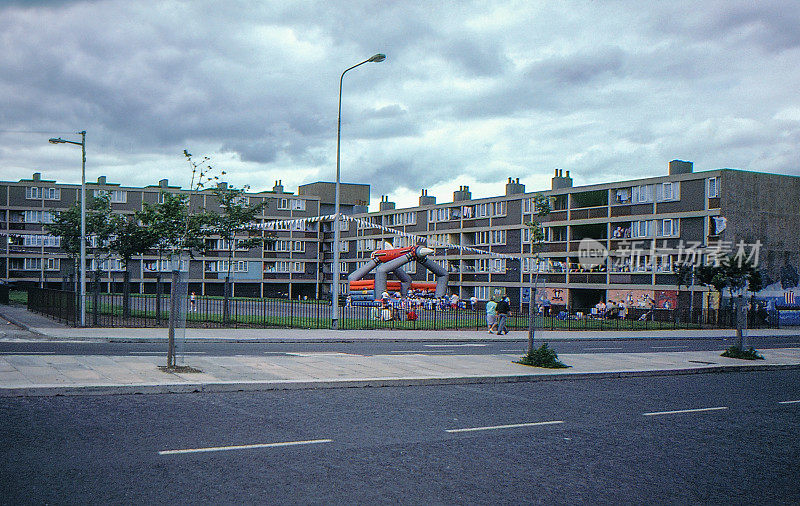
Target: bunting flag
{"x":366,"y":224}
{"x":424,"y":239}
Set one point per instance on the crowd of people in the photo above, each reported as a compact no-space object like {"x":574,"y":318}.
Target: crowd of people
{"x":396,"y":307}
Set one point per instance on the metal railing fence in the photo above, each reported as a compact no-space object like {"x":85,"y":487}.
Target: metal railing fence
{"x":113,"y":310}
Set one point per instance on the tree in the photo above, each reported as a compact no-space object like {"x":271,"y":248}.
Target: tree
{"x":132,"y":238}
{"x":67,"y":225}
{"x":541,"y":207}
{"x":685,"y":274}
{"x":229,"y":223}
{"x":101,"y":226}
{"x":735,"y":275}
{"x":176,"y":233}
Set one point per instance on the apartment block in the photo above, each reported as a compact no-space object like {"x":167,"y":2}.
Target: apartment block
{"x":647,"y":225}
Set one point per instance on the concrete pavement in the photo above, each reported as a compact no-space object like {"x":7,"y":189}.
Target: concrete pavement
{"x":43,"y":374}
{"x":47,"y":328}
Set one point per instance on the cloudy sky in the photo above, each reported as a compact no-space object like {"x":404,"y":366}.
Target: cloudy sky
{"x":469,"y":94}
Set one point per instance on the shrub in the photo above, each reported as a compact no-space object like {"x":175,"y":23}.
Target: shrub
{"x":543,"y":356}
{"x":748,"y":354}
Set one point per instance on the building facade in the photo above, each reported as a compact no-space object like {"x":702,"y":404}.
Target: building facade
{"x":647,"y":226}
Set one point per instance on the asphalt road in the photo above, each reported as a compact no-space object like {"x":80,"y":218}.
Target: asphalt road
{"x":712,"y":438}
{"x":638,"y":345}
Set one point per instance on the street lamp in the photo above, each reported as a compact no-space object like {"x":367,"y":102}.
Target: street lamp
{"x":335,"y":293}
{"x":82,"y":144}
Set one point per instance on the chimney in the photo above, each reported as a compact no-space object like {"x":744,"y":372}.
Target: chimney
{"x":278,"y":188}
{"x":560,"y":181}
{"x":163,"y":183}
{"x":514,"y":187}
{"x":101,"y":180}
{"x":462,"y":194}
{"x":385,"y":204}
{"x":37,"y":176}
{"x":426,"y":200}
{"x":222,"y":185}
{"x":680,"y":167}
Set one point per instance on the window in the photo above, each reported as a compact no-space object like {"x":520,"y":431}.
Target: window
{"x":498,"y":265}
{"x":239,"y":200}
{"x":482,"y":237}
{"x":481,"y":210}
{"x":34,"y":192}
{"x":667,"y":191}
{"x":38,"y":217}
{"x":283,"y":204}
{"x":410,"y":267}
{"x":224,"y":245}
{"x":643,"y":194}
{"x":500,"y":208}
{"x":16,"y":264}
{"x":164,"y":265}
{"x":47,"y":241}
{"x":161,"y":197}
{"x":482,"y":292}
{"x":241,"y":266}
{"x":529,"y":265}
{"x":713,"y":187}
{"x":498,"y":236}
{"x":669,"y":227}
{"x":298,"y":204}
{"x":642,"y":229}
{"x":279,"y":266}
{"x":344,"y":246}
{"x":622,"y":195}
{"x":52,"y":264}
{"x":299,"y":267}
{"x":117,"y":196}
{"x":33,"y":264}
{"x":32,"y":240}
{"x":112,"y":264}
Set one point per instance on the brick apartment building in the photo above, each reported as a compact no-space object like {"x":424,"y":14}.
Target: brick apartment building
{"x":659,"y":220}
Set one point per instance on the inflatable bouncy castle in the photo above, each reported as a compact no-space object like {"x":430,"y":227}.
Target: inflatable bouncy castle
{"x":387,"y":261}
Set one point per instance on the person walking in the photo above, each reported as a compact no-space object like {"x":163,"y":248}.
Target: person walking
{"x":491,"y":315}
{"x":503,"y":311}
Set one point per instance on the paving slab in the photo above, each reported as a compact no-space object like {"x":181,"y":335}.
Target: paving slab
{"x":44,"y":374}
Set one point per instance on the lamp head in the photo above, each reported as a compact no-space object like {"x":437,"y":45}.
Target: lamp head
{"x":57,"y":141}
{"x":378,"y":58}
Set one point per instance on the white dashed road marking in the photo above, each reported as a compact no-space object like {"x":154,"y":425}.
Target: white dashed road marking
{"x":511,"y":426}
{"x":698,"y":410}
{"x":244,"y":447}
{"x":788,"y":402}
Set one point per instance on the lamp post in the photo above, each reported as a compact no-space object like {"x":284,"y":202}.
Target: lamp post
{"x":82,"y":144}
{"x":335,"y":292}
